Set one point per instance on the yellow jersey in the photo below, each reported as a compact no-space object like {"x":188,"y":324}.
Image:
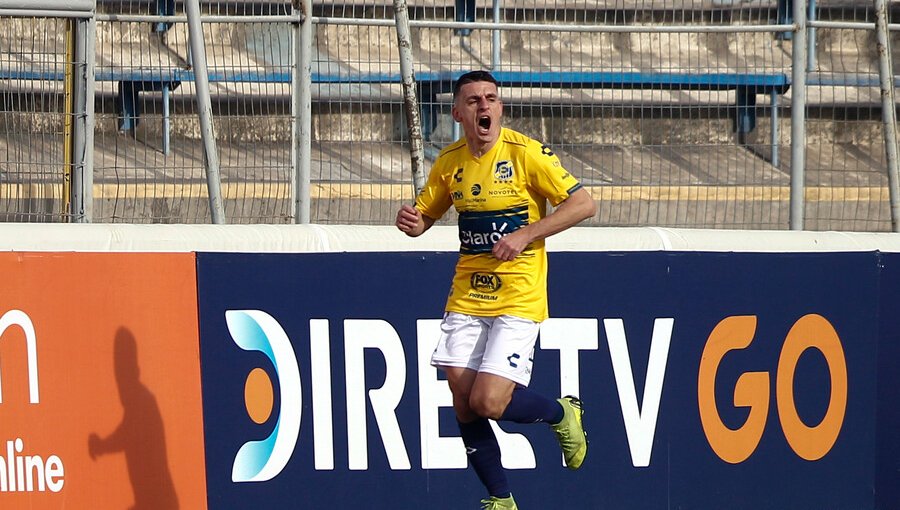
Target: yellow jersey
{"x":496,"y":194}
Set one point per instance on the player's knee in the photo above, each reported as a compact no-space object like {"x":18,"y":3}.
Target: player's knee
{"x":488,"y":405}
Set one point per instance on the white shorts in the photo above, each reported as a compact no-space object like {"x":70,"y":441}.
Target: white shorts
{"x":502,"y":346}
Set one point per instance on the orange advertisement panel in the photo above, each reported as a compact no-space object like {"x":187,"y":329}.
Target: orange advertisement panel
{"x":100,"y":402}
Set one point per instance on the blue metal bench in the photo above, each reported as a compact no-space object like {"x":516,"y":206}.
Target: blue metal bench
{"x":747,"y":86}
{"x":133,"y":82}
{"x":130,"y":84}
{"x":431,"y":84}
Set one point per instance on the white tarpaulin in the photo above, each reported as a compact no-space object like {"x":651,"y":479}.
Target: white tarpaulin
{"x":338,"y":238}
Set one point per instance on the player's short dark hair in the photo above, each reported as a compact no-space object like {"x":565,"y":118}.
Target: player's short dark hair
{"x":472,"y":77}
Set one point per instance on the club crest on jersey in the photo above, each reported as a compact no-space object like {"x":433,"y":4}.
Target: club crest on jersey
{"x":503,"y":172}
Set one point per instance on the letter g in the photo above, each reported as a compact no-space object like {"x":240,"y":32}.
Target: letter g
{"x":751,"y":390}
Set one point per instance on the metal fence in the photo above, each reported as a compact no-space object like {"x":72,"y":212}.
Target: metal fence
{"x":672,"y":113}
{"x":35,"y":121}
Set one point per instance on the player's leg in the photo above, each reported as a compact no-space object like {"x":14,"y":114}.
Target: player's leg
{"x":500,"y":391}
{"x":501,"y":399}
{"x":459,"y":352}
{"x":481,"y":444}
{"x":528,"y":406}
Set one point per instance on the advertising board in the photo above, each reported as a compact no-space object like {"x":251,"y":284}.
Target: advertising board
{"x":99,"y":382}
{"x":711,"y":380}
{"x":887,"y":482}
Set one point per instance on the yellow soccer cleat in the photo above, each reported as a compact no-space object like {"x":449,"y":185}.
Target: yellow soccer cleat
{"x":570,"y":432}
{"x":495,"y":503}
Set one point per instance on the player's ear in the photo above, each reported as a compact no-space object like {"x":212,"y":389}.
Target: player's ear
{"x":455,"y":114}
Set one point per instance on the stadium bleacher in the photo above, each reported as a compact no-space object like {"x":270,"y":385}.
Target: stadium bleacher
{"x":652,"y":79}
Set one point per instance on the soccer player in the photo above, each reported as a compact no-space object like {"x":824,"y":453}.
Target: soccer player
{"x":499,"y":181}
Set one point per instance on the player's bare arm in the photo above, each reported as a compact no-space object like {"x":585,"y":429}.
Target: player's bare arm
{"x":573,"y":210}
{"x":412,"y":222}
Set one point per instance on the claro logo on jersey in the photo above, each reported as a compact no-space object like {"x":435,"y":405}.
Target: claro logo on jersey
{"x":19,"y":471}
{"x":480,"y":230}
{"x":574,"y":339}
{"x":258,"y":461}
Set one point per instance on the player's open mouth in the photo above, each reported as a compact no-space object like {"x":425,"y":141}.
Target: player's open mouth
{"x":484,"y":124}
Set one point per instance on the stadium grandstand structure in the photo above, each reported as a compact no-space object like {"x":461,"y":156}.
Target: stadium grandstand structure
{"x":660,"y":126}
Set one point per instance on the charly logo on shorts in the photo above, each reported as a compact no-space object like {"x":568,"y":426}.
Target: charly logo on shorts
{"x":503,"y":171}
{"x":486,"y":282}
{"x":255,"y":330}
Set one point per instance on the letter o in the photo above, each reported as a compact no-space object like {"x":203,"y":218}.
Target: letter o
{"x":812,"y":331}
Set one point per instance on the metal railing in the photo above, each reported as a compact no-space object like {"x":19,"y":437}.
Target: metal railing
{"x":309,"y":127}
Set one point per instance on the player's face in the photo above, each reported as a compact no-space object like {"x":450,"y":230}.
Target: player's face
{"x":478,"y":108}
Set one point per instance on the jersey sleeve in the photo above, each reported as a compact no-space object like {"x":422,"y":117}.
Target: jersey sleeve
{"x":547,"y":175}
{"x":434,"y":199}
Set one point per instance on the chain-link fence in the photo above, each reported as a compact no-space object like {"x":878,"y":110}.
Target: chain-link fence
{"x":845,"y":164}
{"x":35,"y":119}
{"x":674,"y":113}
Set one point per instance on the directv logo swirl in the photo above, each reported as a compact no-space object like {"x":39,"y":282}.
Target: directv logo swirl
{"x":254,"y":330}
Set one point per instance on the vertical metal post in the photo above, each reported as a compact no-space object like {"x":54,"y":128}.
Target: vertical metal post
{"x":166,"y":121}
{"x":798,"y":115}
{"x":888,"y":108}
{"x":81,"y":207}
{"x":495,"y":39}
{"x":68,"y":208}
{"x":301,"y":111}
{"x":86,"y":167}
{"x":413,"y":120}
{"x":811,"y":43}
{"x":204,"y":109}
{"x":773,"y":99}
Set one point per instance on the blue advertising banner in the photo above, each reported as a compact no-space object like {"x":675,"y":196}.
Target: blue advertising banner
{"x":887,"y":488}
{"x":711,"y":380}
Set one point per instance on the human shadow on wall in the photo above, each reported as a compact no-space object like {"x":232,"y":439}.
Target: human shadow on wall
{"x":140,"y":436}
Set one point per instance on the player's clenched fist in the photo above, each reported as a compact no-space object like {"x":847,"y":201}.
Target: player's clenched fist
{"x":510,"y":246}
{"x":408,"y":220}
